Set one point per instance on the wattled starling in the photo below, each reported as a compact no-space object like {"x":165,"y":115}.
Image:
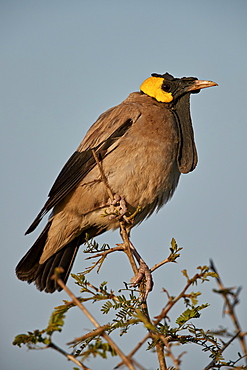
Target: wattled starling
{"x":143,"y":145}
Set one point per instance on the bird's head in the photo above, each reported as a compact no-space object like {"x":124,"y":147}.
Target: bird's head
{"x":166,"y":89}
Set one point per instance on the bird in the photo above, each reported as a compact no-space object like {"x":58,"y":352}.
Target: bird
{"x":143,"y":144}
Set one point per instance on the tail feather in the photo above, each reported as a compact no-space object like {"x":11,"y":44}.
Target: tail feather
{"x":29,"y":269}
{"x":65,"y":259}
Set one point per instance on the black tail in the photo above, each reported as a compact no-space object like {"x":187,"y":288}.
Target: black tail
{"x":65,"y":259}
{"x":29,"y":269}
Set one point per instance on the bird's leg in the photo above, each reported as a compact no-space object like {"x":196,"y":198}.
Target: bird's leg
{"x":143,"y":272}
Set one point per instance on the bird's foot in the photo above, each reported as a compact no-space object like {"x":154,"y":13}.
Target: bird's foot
{"x":117,"y":209}
{"x":143,"y":273}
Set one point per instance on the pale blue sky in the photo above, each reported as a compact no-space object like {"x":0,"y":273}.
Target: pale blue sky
{"x":65,"y":62}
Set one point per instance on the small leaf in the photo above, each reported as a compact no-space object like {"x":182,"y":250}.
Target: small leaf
{"x":184,"y":272}
{"x":174,"y":245}
{"x":190,"y":313}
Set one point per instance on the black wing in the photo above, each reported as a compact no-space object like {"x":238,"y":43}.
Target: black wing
{"x":76,"y":168}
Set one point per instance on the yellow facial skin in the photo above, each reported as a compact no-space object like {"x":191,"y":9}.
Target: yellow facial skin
{"x":152,"y":87}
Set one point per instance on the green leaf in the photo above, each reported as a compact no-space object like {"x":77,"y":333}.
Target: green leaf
{"x":31,"y":339}
{"x":190,"y":313}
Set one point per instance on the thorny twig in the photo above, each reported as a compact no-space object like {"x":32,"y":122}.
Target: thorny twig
{"x":106,"y":252}
{"x":176,"y":361}
{"x":231,"y":312}
{"x":103,"y":177}
{"x":162,"y":315}
{"x":126,"y":360}
{"x":159,"y":264}
{"x":95,"y":332}
{"x":68,"y":356}
{"x":213,"y":362}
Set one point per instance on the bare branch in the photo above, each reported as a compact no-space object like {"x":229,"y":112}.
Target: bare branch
{"x":134,"y":350}
{"x":159,"y":264}
{"x":161,"y":356}
{"x":176,"y":361}
{"x":69,"y":357}
{"x":93,"y":333}
{"x":230,"y":311}
{"x":213,"y":363}
{"x":103,"y":177}
{"x":108,"y":251}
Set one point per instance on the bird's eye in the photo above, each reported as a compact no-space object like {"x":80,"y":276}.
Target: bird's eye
{"x":166,"y":87}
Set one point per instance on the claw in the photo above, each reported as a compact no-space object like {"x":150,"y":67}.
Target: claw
{"x":143,"y":272}
{"x":116,"y":199}
{"x":117,"y":208}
